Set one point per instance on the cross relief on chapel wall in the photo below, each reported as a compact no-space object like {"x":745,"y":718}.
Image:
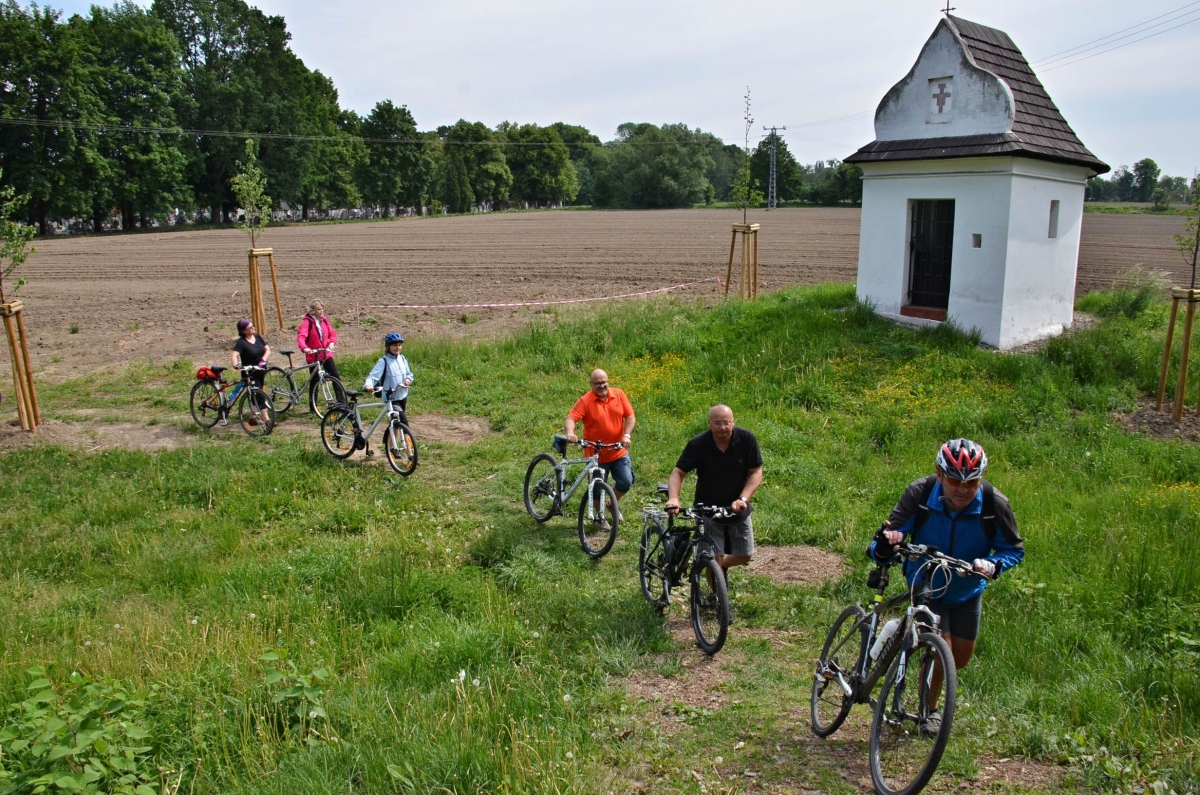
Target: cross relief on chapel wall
{"x":941,"y":99}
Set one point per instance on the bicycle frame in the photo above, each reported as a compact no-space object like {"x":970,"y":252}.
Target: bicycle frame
{"x":387,"y":412}
{"x":592,"y":465}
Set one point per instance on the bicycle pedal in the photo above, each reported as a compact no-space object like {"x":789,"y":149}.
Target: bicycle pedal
{"x":370,"y":453}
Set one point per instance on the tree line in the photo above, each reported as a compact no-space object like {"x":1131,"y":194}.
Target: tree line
{"x":138,"y":113}
{"x":1145,"y":182}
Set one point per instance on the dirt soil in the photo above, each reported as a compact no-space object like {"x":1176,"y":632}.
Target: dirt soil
{"x":1160,"y":424}
{"x":95,"y":436}
{"x":178,"y":294}
{"x":797,"y":565}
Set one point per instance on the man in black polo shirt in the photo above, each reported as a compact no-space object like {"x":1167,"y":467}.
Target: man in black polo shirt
{"x":728,"y":468}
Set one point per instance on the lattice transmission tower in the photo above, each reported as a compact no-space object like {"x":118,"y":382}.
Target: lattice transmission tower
{"x":772,"y":138}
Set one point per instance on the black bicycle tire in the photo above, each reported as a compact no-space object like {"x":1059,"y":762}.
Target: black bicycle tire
{"x":314,"y":405}
{"x":654,"y":541}
{"x":246,"y":399}
{"x":389,"y":439}
{"x":721,"y":591}
{"x":205,"y":382}
{"x":541,"y":517}
{"x":328,"y":423}
{"x":949,"y":687}
{"x":856,"y":614}
{"x":275,"y":393}
{"x":609,"y":499}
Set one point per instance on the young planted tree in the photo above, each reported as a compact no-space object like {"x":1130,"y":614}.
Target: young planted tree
{"x":1189,"y":239}
{"x":250,"y":188}
{"x":745,"y":188}
{"x":1189,"y":247}
{"x":14,"y":238}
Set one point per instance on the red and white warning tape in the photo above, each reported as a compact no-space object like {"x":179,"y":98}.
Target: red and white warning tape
{"x":716,"y":279}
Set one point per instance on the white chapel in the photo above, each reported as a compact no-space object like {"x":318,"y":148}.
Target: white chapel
{"x":972,"y":193}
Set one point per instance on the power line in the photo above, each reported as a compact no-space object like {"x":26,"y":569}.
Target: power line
{"x":1056,"y":55}
{"x":130,"y":128}
{"x":1119,"y":46}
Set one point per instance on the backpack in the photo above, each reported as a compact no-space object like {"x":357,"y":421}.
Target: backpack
{"x":987,"y":515}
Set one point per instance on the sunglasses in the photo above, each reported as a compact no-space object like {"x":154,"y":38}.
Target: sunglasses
{"x":961,"y":484}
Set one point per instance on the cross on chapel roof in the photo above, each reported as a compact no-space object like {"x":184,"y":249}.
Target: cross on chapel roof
{"x":1038,"y":129}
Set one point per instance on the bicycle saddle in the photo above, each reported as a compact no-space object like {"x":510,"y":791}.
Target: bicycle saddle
{"x":218,"y":369}
{"x":352,"y":394}
{"x":287,"y":353}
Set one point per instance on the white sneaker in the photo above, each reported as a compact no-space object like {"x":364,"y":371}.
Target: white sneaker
{"x":223,"y":422}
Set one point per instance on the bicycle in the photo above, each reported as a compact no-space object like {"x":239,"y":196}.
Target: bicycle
{"x":210,"y":404}
{"x":668,"y":553}
{"x":342,"y":432}
{"x":280,"y":384}
{"x":545,"y":496}
{"x":906,"y":745}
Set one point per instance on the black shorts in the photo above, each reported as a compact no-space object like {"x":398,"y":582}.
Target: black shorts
{"x":961,"y":620}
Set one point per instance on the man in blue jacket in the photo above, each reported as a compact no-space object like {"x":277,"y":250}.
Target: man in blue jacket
{"x":961,"y":514}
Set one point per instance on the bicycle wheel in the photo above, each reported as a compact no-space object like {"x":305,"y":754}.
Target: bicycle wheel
{"x":338,"y":433}
{"x":842,"y":655}
{"x":281,"y":388}
{"x":598,"y":532}
{"x":400,"y":448}
{"x":206,"y":403}
{"x":256,"y":415}
{"x":710,"y":606}
{"x":325,"y":393}
{"x":541,"y":487}
{"x":906,"y":745}
{"x":653,"y":564}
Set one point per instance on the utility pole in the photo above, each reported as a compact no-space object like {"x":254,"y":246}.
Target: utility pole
{"x":771,"y":139}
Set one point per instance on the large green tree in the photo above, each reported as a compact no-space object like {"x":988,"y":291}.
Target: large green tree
{"x":651,"y":166}
{"x":48,"y":81}
{"x":541,"y":165}
{"x":472,"y":149}
{"x":139,"y":85}
{"x":398,"y":169}
{"x":1145,"y":179}
{"x":240,"y":76}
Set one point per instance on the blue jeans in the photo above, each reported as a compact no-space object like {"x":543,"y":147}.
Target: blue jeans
{"x":622,"y":473}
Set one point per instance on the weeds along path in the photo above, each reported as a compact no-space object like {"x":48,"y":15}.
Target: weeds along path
{"x":443,"y":641}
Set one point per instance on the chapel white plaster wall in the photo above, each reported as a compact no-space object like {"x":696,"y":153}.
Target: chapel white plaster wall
{"x":982,"y":102}
{"x":981,"y":189}
{"x":1039,"y":285}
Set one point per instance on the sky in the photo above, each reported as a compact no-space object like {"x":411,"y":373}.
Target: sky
{"x":602,"y":64}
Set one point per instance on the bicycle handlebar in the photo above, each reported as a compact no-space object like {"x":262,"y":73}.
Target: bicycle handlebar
{"x":701,"y":511}
{"x":599,"y":445}
{"x":918,"y":552}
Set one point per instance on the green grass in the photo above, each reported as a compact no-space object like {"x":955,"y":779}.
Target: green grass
{"x":173,"y":573}
{"x":1130,"y":209}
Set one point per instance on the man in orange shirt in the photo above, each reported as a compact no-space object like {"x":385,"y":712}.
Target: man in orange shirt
{"x":607,"y":417}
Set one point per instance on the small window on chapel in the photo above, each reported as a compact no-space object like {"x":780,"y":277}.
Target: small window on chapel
{"x":976,"y":241}
{"x":1053,"y":218}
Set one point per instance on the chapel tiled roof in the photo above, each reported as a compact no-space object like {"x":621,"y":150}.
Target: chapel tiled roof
{"x":1039,"y":129}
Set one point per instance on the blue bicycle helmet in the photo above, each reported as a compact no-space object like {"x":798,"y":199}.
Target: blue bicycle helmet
{"x":393,"y":337}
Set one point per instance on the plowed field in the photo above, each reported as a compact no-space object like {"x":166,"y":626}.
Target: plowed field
{"x":178,"y":294}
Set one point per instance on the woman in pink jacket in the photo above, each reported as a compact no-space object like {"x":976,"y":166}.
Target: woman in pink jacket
{"x":316,"y":337}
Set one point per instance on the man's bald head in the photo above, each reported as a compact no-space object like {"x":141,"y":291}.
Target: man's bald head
{"x":599,"y":382}
{"x":720,"y":422}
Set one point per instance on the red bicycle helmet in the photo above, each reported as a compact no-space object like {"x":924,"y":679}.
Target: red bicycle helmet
{"x":961,"y":459}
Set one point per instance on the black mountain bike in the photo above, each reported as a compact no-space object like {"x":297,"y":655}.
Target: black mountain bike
{"x":668,"y":553}
{"x":914,"y":711}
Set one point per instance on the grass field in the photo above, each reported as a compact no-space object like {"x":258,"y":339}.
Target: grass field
{"x":241,"y":616}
